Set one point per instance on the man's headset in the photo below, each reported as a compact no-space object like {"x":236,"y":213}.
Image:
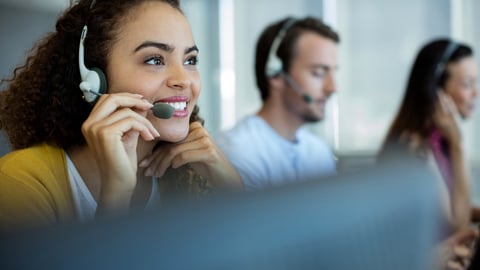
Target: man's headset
{"x":274,"y":65}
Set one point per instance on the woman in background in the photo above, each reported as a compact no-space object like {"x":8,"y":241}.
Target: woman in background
{"x":78,"y":154}
{"x":442,"y":87}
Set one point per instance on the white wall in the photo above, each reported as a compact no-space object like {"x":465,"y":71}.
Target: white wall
{"x":380,"y":41}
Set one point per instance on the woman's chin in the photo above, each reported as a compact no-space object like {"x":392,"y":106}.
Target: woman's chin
{"x":173,"y":136}
{"x":466,"y":114}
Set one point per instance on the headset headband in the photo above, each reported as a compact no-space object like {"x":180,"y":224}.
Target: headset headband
{"x":274,"y":64}
{"x":442,"y":63}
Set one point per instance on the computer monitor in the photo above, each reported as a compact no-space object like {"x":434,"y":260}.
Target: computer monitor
{"x":380,"y":218}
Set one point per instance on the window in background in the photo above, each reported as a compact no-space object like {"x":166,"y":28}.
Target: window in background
{"x":379,"y":42}
{"x":204,"y":19}
{"x":468,"y":12}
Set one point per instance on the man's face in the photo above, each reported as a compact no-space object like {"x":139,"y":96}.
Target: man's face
{"x":312,"y":69}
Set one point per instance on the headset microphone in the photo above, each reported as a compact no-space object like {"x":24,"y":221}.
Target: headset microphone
{"x":307,"y":98}
{"x":163,"y":110}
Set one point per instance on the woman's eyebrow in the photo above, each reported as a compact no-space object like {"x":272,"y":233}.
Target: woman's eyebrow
{"x":159,"y":45}
{"x":163,"y":47}
{"x":191,"y":49}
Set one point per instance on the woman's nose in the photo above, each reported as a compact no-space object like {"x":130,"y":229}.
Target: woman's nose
{"x":178,"y":78}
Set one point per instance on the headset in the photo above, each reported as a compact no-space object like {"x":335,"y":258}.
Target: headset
{"x":274,"y":65}
{"x":94,"y":81}
{"x":442,"y":63}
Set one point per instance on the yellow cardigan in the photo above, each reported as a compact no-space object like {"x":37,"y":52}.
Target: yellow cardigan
{"x":34,"y":188}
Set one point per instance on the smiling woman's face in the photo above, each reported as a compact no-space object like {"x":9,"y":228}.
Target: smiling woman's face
{"x":462,"y":85}
{"x":155,"y":55}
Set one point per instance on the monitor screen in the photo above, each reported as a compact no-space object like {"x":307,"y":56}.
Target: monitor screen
{"x":376,"y":219}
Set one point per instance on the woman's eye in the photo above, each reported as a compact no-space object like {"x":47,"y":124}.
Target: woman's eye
{"x":192,"y":61}
{"x":155,"y":60}
{"x":468,"y":83}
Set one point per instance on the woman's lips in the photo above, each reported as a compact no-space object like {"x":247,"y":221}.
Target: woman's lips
{"x":179,"y":103}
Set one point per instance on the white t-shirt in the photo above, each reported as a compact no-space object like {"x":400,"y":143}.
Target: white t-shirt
{"x":85,"y":204}
{"x":264,"y":158}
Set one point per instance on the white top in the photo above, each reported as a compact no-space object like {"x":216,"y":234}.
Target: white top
{"x":264,"y":158}
{"x":85,"y":204}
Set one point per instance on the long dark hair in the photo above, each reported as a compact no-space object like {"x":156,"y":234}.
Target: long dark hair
{"x":427,"y":76}
{"x":42,"y":102}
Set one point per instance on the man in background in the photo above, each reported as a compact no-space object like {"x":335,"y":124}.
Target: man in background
{"x":296,"y":60}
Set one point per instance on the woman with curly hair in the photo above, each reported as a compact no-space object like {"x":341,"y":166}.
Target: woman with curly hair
{"x":80,"y":151}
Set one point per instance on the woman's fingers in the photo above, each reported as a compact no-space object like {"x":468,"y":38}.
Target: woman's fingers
{"x":445,"y":117}
{"x":446,"y":103}
{"x":454,"y":265}
{"x":466,"y":235}
{"x":196,"y":147}
{"x":122,"y":121}
{"x":173,"y":155}
{"x":462,"y":252}
{"x":108,"y":103}
{"x":119,"y":108}
{"x":461,"y":243}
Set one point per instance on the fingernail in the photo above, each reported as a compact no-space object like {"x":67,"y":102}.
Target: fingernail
{"x":143,"y":163}
{"x":151,"y":137}
{"x":148,"y":172}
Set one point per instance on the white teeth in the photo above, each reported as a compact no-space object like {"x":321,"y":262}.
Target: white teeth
{"x":179,"y":106}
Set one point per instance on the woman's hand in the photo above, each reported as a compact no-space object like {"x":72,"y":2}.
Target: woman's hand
{"x":445,"y":117}
{"x":446,"y":120}
{"x":198,"y":150}
{"x":456,"y":252}
{"x":112,"y":131}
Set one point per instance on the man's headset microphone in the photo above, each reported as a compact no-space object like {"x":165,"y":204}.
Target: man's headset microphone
{"x":274,"y":66}
{"x":94,"y":83}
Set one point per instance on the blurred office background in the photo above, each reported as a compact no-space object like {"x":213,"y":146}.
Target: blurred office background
{"x":379,"y":40}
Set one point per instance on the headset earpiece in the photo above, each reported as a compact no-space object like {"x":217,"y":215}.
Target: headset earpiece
{"x":274,"y":65}
{"x":103,"y":80}
{"x":94,"y":81}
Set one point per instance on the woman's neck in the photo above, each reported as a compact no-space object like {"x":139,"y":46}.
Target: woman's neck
{"x":87,"y":166}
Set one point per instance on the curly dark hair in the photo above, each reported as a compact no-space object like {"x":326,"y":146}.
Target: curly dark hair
{"x":42,"y":102}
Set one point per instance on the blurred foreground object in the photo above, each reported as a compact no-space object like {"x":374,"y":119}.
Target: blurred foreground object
{"x":381,"y":218}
